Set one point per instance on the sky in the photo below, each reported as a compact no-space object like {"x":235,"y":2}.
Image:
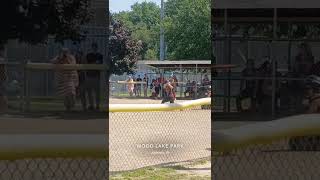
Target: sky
{"x":124,"y":5}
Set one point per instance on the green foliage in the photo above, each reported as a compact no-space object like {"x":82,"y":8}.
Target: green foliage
{"x":33,"y":21}
{"x":188,"y":29}
{"x":143,"y":22}
{"x":123,"y":48}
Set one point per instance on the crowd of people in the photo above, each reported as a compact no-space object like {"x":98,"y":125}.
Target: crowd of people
{"x":260,"y":90}
{"x":163,"y":88}
{"x":83,"y":83}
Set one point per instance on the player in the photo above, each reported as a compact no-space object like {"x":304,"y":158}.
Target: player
{"x":168,"y":93}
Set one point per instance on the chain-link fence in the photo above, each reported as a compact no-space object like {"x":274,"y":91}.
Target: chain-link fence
{"x":145,"y":137}
{"x":53,"y":156}
{"x":25,"y":93}
{"x":54,"y":169}
{"x":189,"y":85}
{"x":267,"y":151}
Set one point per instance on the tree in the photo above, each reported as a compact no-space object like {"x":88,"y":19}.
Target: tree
{"x":188,"y":29}
{"x":143,"y":20}
{"x":32,"y":21}
{"x":123,"y":48}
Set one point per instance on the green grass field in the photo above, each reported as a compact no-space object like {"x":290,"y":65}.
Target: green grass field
{"x":176,"y":172}
{"x":157,"y":174}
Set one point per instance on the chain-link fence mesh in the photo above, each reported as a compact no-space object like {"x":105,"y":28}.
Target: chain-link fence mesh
{"x":287,"y":159}
{"x":266,"y":156}
{"x":54,"y":169}
{"x":141,"y":139}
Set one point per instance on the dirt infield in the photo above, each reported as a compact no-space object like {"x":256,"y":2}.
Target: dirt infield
{"x":152,"y":138}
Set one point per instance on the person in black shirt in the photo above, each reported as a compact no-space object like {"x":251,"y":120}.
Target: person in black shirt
{"x":93,"y":77}
{"x":139,"y":80}
{"x":145,"y":86}
{"x":81,"y":90}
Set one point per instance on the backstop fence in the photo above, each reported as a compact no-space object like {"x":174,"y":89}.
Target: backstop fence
{"x":142,"y":135}
{"x":285,"y":149}
{"x":53,"y":157}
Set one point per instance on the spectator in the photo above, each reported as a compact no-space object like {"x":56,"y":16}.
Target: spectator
{"x":81,"y":90}
{"x":188,"y":89}
{"x":248,"y":88}
{"x":173,"y":83}
{"x":265,"y":70}
{"x":145,"y":86}
{"x":153,"y":89}
{"x":157,"y":87}
{"x":139,"y":80}
{"x":67,"y":80}
{"x":193,"y":89}
{"x":304,"y":60}
{"x":135,"y":86}
{"x":206,"y":81}
{"x":93,"y":77}
{"x":130,"y":85}
{"x":176,"y":82}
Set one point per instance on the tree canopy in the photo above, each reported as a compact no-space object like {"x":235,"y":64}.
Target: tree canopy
{"x":123,"y":48}
{"x":32,"y":21}
{"x":187,"y":28}
{"x":143,"y":21}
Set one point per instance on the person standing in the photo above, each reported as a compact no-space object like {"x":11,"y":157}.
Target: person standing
{"x":157,"y":88}
{"x":139,"y":80}
{"x":145,"y":85}
{"x":130,"y":86}
{"x":82,"y":79}
{"x":168,"y":93}
{"x":67,"y":80}
{"x":93,"y":77}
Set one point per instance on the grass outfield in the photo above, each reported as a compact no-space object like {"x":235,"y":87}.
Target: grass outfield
{"x":157,"y":174}
{"x":178,"y":172}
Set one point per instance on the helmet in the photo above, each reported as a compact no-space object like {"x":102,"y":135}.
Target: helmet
{"x":313,"y":81}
